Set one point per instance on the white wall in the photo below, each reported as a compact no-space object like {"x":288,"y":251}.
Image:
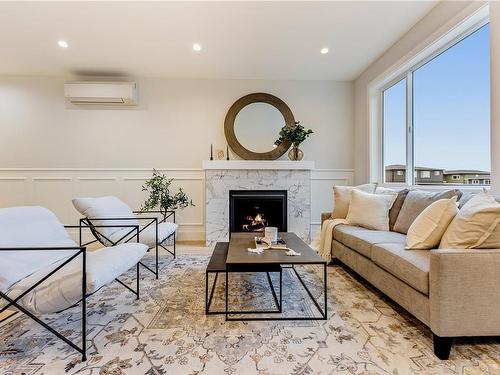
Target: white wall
{"x":495,"y":94}
{"x":51,"y":152}
{"x":173,"y":126}
{"x":429,"y":29}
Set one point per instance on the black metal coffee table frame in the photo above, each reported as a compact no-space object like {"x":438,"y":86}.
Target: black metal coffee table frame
{"x":218,"y":265}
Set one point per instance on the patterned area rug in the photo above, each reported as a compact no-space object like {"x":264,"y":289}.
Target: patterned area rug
{"x":166,"y":332}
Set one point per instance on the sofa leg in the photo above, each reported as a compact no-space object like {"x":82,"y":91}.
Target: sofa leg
{"x":335,"y":262}
{"x":442,"y":346}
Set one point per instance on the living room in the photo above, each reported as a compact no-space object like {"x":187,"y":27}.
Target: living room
{"x":249,"y":187}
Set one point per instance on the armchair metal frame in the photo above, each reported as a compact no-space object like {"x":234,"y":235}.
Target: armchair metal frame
{"x":129,"y":236}
{"x":14,"y":302}
{"x":169,"y":214}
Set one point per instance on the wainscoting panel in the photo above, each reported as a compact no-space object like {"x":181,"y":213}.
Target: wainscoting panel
{"x":13,"y":191}
{"x":55,"y":193}
{"x":98,"y":186}
{"x":322,"y":181}
{"x":55,"y":187}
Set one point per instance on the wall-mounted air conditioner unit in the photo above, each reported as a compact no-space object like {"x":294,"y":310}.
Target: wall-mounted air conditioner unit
{"x":98,"y":93}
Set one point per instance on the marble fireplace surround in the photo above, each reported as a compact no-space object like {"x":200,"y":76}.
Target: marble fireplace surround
{"x":222,"y":176}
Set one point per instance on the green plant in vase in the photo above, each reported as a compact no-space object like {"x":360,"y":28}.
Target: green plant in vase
{"x":295,"y":134}
{"x":161,"y":198}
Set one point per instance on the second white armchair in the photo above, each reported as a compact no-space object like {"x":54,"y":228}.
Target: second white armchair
{"x":110,"y":220}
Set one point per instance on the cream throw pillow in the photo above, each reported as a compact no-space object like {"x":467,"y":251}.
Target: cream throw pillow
{"x":370,"y":210}
{"x":429,"y":226}
{"x":476,"y":226}
{"x":342,"y":198}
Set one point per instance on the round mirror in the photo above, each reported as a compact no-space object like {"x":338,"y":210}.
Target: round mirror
{"x":257,"y":126}
{"x":253,"y":124}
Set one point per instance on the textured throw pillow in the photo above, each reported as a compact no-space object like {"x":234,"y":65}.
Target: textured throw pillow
{"x":426,"y":231}
{"x":415,"y":202}
{"x":370,"y":210}
{"x":342,"y":197}
{"x":477,"y":225}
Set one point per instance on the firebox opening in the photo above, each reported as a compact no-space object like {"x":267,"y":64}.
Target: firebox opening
{"x":253,"y":210}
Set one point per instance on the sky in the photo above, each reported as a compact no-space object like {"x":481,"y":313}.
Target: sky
{"x":451,"y":96}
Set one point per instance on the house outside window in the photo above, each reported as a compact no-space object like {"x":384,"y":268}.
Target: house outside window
{"x":425,"y":174}
{"x":466,"y":176}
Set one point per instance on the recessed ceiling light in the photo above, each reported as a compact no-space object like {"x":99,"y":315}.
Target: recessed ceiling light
{"x":324,"y":51}
{"x":63,"y":44}
{"x":197,"y":47}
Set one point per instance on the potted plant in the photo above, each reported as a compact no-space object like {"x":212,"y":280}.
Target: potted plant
{"x":296,"y":134}
{"x":160,"y":196}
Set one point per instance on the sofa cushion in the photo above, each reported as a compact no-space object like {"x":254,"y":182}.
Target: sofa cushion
{"x":410,"y":266}
{"x":361,"y":239}
{"x":466,"y":196}
{"x":398,"y":203}
{"x":416,"y":201}
{"x":342,"y":198}
{"x":396,"y":207}
{"x":476,"y":226}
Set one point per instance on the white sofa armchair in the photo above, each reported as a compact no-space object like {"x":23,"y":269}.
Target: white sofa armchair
{"x":42,"y":270}
{"x":110,"y":220}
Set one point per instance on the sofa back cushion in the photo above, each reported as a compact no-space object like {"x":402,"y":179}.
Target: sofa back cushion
{"x":477,"y":225}
{"x":468,"y":195}
{"x":106,"y":207}
{"x":416,"y":201}
{"x":342,"y":198}
{"x":398,"y":203}
{"x":396,"y":207}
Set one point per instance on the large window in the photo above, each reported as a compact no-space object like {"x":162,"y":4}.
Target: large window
{"x":394,"y":102}
{"x":436,"y":118}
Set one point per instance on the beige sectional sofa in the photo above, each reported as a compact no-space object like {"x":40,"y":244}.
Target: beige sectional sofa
{"x":454,"y":292}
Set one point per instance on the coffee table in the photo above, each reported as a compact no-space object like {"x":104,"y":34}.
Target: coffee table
{"x":234,"y":257}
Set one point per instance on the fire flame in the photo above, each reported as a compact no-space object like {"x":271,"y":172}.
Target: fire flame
{"x":255,"y":224}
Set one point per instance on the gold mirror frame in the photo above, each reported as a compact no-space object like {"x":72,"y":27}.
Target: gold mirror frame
{"x":241,"y":103}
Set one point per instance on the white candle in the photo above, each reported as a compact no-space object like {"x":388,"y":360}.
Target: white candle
{"x":271,"y":234}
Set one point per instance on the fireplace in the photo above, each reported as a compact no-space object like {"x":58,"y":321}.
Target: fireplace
{"x":253,"y":210}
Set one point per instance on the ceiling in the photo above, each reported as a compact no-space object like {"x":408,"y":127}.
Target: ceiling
{"x":248,"y":40}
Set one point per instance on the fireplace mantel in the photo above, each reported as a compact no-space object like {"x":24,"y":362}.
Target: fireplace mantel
{"x":258,"y":164}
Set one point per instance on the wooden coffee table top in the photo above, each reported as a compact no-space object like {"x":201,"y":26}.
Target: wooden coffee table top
{"x":238,"y":253}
